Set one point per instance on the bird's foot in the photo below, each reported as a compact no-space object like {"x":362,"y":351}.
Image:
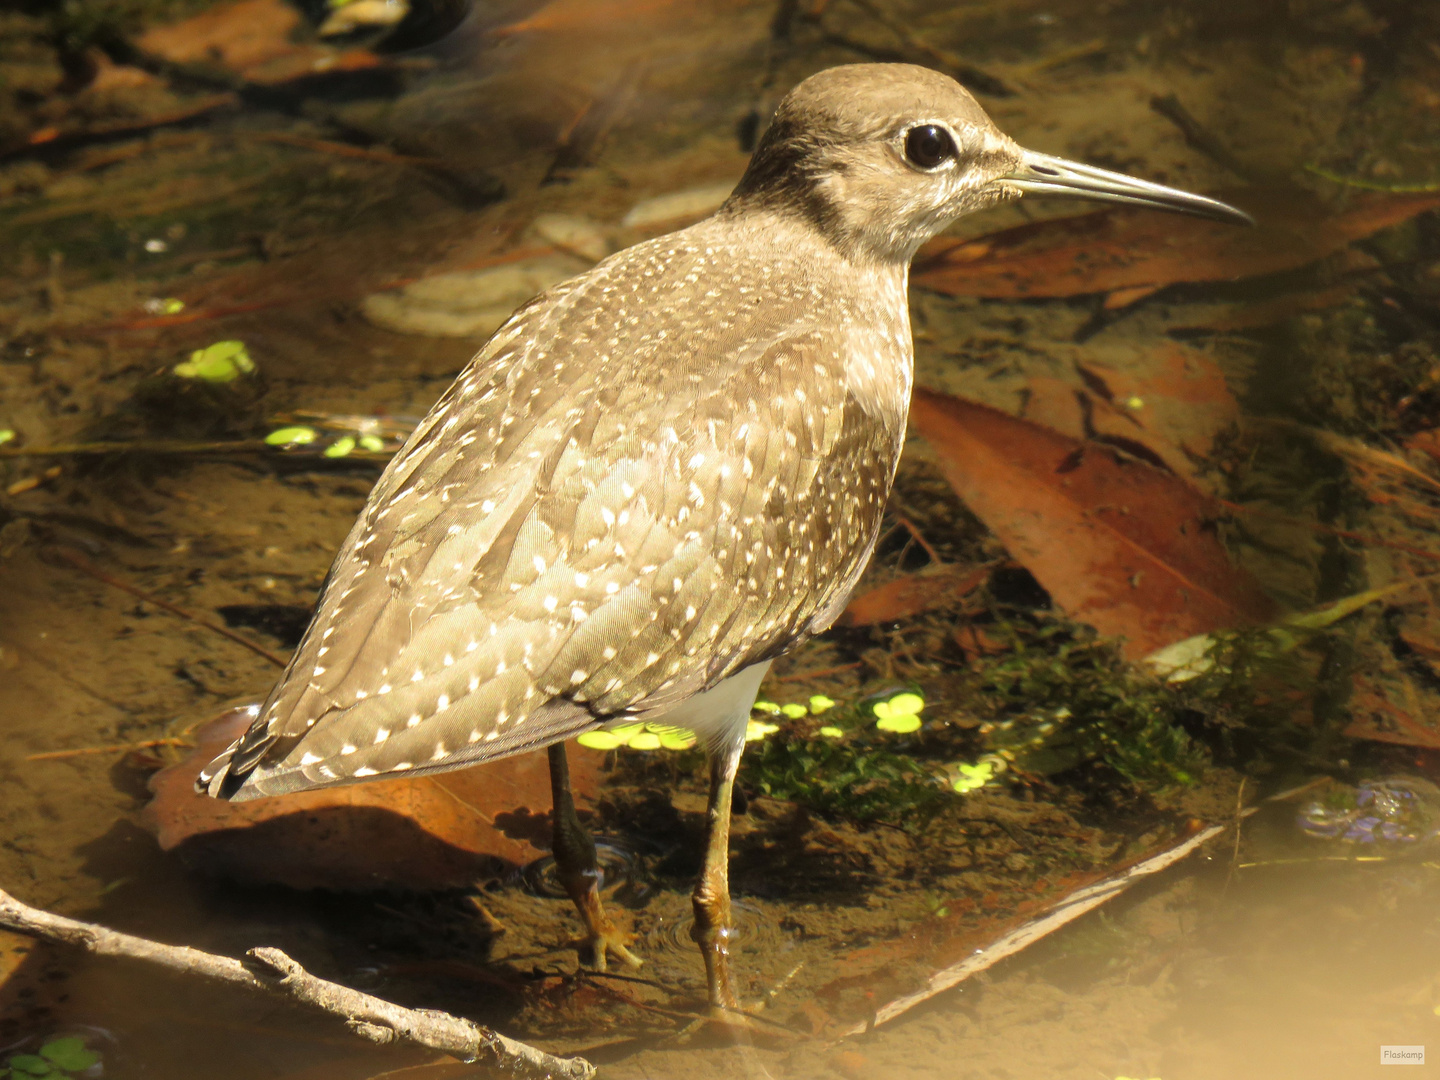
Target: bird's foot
{"x":605,"y":941}
{"x":603,"y":938}
{"x":734,"y":1026}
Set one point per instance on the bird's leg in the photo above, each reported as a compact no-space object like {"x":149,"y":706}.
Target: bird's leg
{"x":578,"y":869}
{"x":712,"y":893}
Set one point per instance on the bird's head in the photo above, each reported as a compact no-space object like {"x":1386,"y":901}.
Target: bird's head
{"x":881,"y":157}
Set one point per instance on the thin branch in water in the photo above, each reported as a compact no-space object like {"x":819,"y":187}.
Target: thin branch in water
{"x":1199,"y":137}
{"x":276,"y":973}
{"x":85,"y":566}
{"x":912,"y":47}
{"x":800,"y":676}
{"x":914,"y":530}
{"x":146,"y":744}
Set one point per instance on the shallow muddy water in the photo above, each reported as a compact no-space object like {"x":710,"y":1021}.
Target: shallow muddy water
{"x":1133,"y":432}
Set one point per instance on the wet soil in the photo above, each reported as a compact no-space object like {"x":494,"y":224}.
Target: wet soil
{"x":258,"y":220}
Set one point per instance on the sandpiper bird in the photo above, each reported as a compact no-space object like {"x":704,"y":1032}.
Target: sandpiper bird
{"x":657,"y":477}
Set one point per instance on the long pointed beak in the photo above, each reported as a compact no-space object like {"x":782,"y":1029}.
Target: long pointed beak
{"x":1041,"y":174}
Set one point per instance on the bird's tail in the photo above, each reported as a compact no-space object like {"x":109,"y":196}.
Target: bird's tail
{"x":215,"y":778}
{"x":219,"y":779}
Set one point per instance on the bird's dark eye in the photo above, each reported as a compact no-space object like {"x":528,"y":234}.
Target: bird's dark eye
{"x":928,"y":146}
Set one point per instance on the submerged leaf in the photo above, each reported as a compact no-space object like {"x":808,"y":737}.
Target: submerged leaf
{"x":251,"y":38}
{"x":1118,"y":544}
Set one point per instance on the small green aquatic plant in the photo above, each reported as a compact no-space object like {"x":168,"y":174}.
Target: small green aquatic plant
{"x":850,"y":777}
{"x":900,"y":714}
{"x":57,"y":1059}
{"x":223,"y":362}
{"x":849,"y":765}
{"x":662,"y":737}
{"x":294,"y":435}
{"x":1086,"y":702}
{"x":639,"y":737}
{"x":291,"y":436}
{"x":965,"y":777}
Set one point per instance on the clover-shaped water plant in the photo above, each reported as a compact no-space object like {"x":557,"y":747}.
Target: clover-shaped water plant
{"x":899,"y":714}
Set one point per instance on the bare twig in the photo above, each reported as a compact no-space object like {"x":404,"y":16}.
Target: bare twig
{"x":967,"y":74}
{"x":146,"y":744}
{"x":327,"y":146}
{"x":1239,"y":820}
{"x":1198,"y":136}
{"x":1067,"y":910}
{"x":276,"y":973}
{"x":800,"y":676}
{"x":914,"y":530}
{"x":85,"y":566}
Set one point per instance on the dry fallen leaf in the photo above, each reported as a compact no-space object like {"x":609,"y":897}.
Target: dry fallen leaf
{"x":428,"y":832}
{"x":1117,"y":543}
{"x":1136,"y":252}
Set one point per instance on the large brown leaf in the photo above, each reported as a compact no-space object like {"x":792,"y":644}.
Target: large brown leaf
{"x":1129,"y":548}
{"x":428,"y":832}
{"x":1135,"y":252}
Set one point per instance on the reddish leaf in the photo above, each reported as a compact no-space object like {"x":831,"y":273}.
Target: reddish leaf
{"x":253,"y":39}
{"x":912,"y":594}
{"x":1131,"y":251}
{"x":429,"y":832}
{"x":1117,"y":543}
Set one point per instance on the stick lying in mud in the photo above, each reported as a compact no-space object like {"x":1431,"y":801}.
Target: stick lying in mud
{"x":1066,"y":911}
{"x":275,"y":973}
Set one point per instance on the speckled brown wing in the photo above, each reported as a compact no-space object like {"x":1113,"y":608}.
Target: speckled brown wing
{"x":593,"y":522}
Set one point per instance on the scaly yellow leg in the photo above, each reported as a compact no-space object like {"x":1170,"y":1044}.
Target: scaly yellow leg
{"x":712,"y":893}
